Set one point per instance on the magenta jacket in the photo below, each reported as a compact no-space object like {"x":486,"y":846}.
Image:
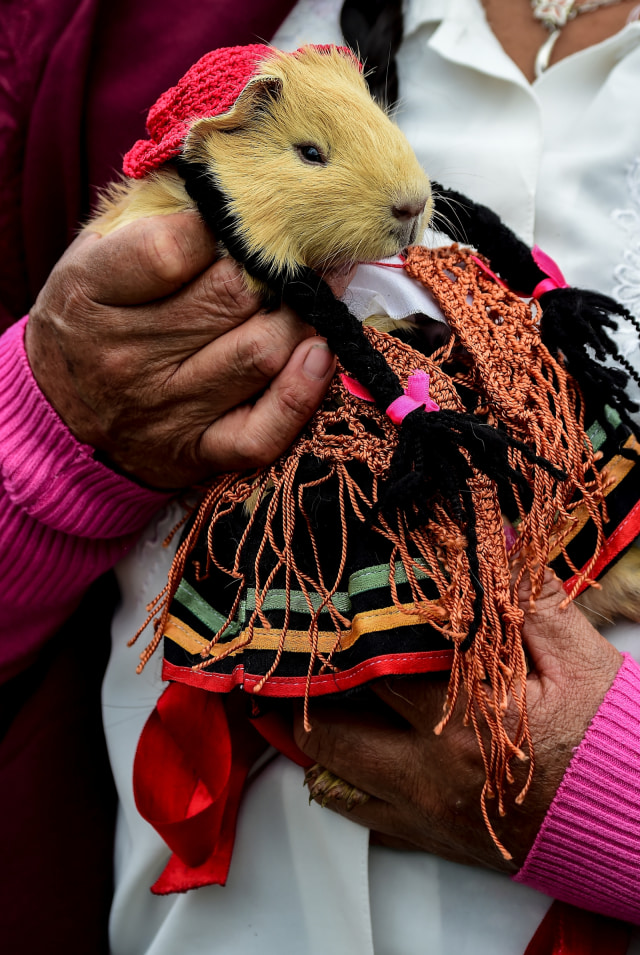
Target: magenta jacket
{"x":76,"y":80}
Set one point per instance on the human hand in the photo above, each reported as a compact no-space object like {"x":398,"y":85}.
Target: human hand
{"x":425,"y":789}
{"x":158,"y":356}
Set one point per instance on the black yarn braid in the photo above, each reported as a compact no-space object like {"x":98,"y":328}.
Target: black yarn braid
{"x":574,"y":321}
{"x":437,"y":451}
{"x":373,"y":28}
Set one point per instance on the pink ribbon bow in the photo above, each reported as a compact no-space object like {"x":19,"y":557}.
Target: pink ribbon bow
{"x":555,"y":278}
{"x":416,"y":395}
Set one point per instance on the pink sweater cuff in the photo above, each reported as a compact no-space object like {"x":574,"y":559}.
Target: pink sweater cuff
{"x":66,"y":518}
{"x":47,"y":473}
{"x":588,"y":849}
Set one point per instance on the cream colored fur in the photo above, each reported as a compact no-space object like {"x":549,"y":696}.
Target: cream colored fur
{"x":290,"y":211}
{"x":124,"y":201}
{"x":618,"y":595}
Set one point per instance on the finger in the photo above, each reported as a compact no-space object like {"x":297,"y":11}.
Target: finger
{"x":392,"y":842}
{"x":466,"y":841}
{"x":178,"y":329}
{"x":234,"y":368}
{"x":145,"y":260}
{"x":419,"y":700}
{"x":361,"y":748}
{"x":373,"y":814}
{"x":384,"y":821}
{"x":556,"y":634}
{"x":215,"y":301}
{"x":255,"y":435}
{"x":431,"y":824}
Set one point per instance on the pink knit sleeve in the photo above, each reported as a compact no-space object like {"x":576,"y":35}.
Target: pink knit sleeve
{"x":588,"y":849}
{"x":66,"y":518}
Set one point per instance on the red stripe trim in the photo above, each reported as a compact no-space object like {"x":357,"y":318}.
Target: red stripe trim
{"x":289,"y":686}
{"x":624,"y":534}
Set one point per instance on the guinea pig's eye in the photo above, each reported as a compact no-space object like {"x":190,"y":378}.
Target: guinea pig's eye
{"x":311,"y":154}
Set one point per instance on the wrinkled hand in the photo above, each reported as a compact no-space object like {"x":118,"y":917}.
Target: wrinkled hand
{"x":159,"y":357}
{"x":425,"y":788}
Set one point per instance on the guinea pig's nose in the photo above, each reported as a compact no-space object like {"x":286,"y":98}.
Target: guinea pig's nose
{"x":408,"y":210}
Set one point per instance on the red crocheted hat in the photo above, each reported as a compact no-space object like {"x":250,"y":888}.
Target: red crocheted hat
{"x":209,"y":88}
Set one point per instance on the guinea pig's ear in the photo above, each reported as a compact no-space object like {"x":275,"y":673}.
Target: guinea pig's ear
{"x":257,"y":96}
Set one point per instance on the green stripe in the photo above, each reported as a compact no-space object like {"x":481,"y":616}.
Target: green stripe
{"x":596,"y":432}
{"x":372,"y":578}
{"x":277,"y":600}
{"x":189,"y":598}
{"x":369,"y":578}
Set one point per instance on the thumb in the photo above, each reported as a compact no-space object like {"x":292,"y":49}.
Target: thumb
{"x":560,"y":640}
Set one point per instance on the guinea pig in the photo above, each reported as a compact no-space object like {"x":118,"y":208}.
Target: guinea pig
{"x":313,"y":171}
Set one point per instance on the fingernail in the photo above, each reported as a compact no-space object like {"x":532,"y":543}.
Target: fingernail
{"x":318,"y":362}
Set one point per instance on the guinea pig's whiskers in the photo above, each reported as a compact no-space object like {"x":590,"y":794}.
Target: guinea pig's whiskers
{"x":386,"y":105}
{"x":393,"y":112}
{"x":445,"y":224}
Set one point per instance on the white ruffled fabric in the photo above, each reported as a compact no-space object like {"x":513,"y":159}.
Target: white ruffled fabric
{"x":382,"y":289}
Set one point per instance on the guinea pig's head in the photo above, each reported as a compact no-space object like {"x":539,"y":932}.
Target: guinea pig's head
{"x":315,"y":172}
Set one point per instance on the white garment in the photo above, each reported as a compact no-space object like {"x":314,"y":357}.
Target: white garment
{"x":378,"y":290}
{"x":560,"y":161}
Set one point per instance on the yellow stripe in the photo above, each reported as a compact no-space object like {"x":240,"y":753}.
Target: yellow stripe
{"x":297,"y":641}
{"x":617,"y":468}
